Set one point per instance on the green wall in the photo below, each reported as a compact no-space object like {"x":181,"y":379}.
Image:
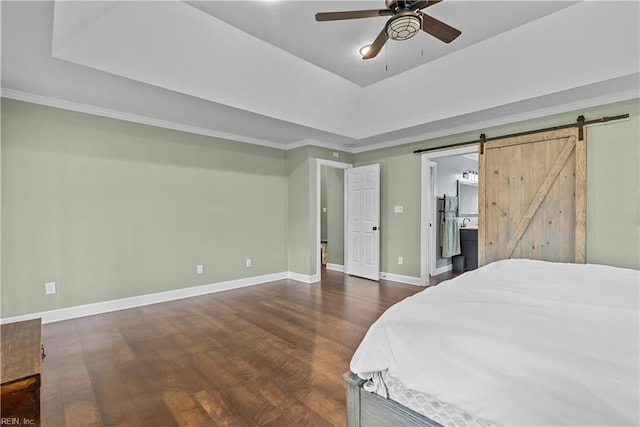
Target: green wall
{"x":334,"y":183}
{"x":399,"y":185}
{"x":613,"y":182}
{"x":299,"y":227}
{"x":323,"y":204}
{"x":110,"y":209}
{"x":613,"y":192}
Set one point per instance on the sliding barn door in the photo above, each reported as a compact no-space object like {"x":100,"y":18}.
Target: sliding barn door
{"x":532,"y":198}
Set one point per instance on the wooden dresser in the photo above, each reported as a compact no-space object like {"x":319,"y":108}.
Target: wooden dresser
{"x":21,"y":360}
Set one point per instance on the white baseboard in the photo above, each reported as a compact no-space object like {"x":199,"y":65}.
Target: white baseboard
{"x":335,"y":267}
{"x":443,"y":269}
{"x":142,"y":300}
{"x":304,"y":278}
{"x":409,"y":280}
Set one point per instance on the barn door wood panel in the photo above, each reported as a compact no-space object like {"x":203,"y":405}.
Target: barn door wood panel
{"x":532,"y":198}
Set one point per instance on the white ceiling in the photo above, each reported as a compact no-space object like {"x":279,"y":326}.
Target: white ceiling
{"x":334,"y":45}
{"x":267,"y":73}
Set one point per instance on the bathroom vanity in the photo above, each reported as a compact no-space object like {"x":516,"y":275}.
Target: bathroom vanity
{"x":468,"y":207}
{"x":469,"y":246}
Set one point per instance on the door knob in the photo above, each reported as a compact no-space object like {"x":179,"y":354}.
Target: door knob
{"x":376,"y":228}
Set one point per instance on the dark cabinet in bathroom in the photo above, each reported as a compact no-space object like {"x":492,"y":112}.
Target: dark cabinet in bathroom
{"x":469,"y":247}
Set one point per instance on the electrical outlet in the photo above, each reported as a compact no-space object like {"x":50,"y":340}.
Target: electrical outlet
{"x":336,"y":154}
{"x":398,"y":209}
{"x":199,"y":269}
{"x":248,"y":262}
{"x":400,"y":260}
{"x":50,"y":288}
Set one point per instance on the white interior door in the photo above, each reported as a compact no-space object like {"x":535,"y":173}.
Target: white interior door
{"x":363,"y":221}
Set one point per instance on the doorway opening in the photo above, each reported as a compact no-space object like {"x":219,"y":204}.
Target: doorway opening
{"x":330,"y":214}
{"x":447,"y":172}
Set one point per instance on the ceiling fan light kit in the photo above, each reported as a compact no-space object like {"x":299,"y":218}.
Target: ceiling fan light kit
{"x":403,"y":26}
{"x":406,"y":20}
{"x":364,"y":49}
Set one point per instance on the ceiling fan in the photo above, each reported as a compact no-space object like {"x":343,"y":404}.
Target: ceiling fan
{"x":406,"y":20}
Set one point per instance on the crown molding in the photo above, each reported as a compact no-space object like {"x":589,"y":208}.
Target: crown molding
{"x":469,"y":127}
{"x":530,"y":115}
{"x":134,"y":118}
{"x":315,"y":143}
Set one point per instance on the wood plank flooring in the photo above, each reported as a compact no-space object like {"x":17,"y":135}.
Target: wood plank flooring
{"x":266,"y":355}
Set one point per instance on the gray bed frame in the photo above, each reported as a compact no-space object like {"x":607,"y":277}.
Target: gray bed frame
{"x":369,"y":409}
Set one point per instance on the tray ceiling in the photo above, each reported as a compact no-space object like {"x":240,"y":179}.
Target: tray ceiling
{"x":267,"y":73}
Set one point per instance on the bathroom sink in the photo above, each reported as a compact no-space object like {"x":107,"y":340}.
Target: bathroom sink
{"x":469,"y":227}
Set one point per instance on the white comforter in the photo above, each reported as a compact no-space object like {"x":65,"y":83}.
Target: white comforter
{"x":518,"y":342}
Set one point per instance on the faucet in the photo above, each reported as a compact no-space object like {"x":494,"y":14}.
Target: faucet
{"x":464,"y":224}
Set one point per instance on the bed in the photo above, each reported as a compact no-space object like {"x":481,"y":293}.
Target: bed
{"x":515,"y":342}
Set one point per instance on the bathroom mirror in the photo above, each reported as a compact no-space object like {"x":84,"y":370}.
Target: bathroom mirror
{"x":467,"y":198}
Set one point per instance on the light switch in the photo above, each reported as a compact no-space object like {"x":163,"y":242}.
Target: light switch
{"x":50,"y":288}
{"x":398,"y":209}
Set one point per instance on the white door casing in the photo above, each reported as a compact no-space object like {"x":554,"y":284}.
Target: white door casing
{"x":428,"y":217}
{"x":332,"y":164}
{"x":363,"y":221}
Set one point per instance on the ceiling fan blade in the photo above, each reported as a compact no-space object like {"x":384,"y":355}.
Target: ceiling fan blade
{"x":422,"y":4}
{"x":377,"y":44}
{"x":352,"y":14}
{"x":439,"y":29}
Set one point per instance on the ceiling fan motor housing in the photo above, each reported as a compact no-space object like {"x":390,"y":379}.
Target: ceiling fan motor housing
{"x":396,"y":5}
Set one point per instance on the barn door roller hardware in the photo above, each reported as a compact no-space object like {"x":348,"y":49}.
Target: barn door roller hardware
{"x":580,"y":127}
{"x":580,"y":123}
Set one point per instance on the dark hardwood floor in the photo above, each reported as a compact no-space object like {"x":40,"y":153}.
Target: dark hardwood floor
{"x":268,"y":355}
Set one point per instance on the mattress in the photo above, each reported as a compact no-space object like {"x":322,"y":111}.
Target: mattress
{"x":443,"y":413}
{"x":516,"y":342}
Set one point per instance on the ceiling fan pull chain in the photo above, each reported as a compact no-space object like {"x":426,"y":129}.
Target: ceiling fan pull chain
{"x":386,"y":57}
